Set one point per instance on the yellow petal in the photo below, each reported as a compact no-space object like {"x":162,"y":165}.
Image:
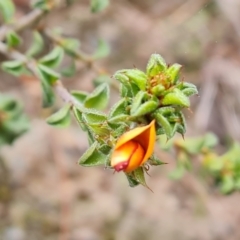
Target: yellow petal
{"x":133,"y":133}
{"x":134,"y":148}
{"x":128,"y":157}
{"x":147,"y":139}
{"x":136,"y":159}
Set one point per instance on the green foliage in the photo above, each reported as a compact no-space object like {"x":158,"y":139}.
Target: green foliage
{"x":14,"y":67}
{"x":7,"y":10}
{"x":53,"y":59}
{"x":70,"y":45}
{"x":156,"y":65}
{"x":98,"y":99}
{"x":48,"y":77}
{"x":13,"y":122}
{"x":13,"y":40}
{"x":98,"y":5}
{"x":42,"y":4}
{"x":157,"y":94}
{"x":225,"y":168}
{"x":102,"y":51}
{"x":61,"y":118}
{"x":176,"y":97}
{"x":69,"y":71}
{"x":92,"y":157}
{"x":36,"y":46}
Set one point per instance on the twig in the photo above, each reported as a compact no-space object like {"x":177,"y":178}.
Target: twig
{"x":79,"y":56}
{"x":23,"y":23}
{"x":31,"y":66}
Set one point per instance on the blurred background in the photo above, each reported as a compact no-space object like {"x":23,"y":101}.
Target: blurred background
{"x":44,"y":194}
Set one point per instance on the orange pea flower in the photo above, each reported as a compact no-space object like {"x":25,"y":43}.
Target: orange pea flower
{"x":134,"y":148}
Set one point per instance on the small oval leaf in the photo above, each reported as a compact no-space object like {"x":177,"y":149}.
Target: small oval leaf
{"x":98,"y":99}
{"x":61,"y":118}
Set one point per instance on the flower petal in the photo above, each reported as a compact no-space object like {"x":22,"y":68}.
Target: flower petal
{"x":132,"y":134}
{"x":127,"y":157}
{"x":136,"y":159}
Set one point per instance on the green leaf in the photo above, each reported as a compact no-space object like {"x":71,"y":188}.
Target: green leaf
{"x":145,"y":108}
{"x":134,"y":89}
{"x":118,"y":108}
{"x":13,"y":128}
{"x":122,"y":78}
{"x":99,"y":131}
{"x":103,"y":50}
{"x":137,"y":77}
{"x":41,"y":4}
{"x":156,"y":65}
{"x":105,"y":149}
{"x":173,"y":72}
{"x":48,"y":94}
{"x":125,"y":91}
{"x":93,"y":157}
{"x":227,"y":184}
{"x":215,"y":164}
{"x":102,"y":79}
{"x":98,"y":5}
{"x":78,"y":116}
{"x":237,"y":183}
{"x":47,"y":74}
{"x":210,"y":140}
{"x":198,"y":144}
{"x":139,"y":176}
{"x":69,"y":71}
{"x":7,"y":103}
{"x":53,"y":59}
{"x":188,"y":89}
{"x":15,"y":67}
{"x":165,"y":143}
{"x":80,"y":96}
{"x":118,"y":119}
{"x":13,"y":40}
{"x":36,"y":46}
{"x":70,"y":45}
{"x":61,"y":118}
{"x":176,"y":98}
{"x":7,"y":8}
{"x":137,"y":101}
{"x":158,"y":90}
{"x":93,"y":117}
{"x":98,"y":99}
{"x":178,"y":173}
{"x":131,"y":180}
{"x":155,"y":161}
{"x":165,"y":124}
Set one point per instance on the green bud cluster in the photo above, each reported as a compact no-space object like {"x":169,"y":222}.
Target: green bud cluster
{"x":13,"y":122}
{"x":159,"y":93}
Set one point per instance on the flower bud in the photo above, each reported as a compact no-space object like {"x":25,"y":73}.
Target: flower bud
{"x":176,"y":98}
{"x":128,"y":155}
{"x":134,"y":148}
{"x":173,"y":72}
{"x":156,"y":65}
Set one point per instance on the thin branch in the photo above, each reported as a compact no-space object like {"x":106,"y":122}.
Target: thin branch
{"x":23,"y":23}
{"x":31,"y":66}
{"x":79,"y":56}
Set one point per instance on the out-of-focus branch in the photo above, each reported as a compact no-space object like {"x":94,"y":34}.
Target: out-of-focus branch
{"x":23,"y":23}
{"x":31,"y":66}
{"x":80,"y":56}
